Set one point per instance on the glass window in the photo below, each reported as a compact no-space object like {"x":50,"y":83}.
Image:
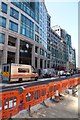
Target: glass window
{"x":2,"y":21}
{"x":11,"y":41}
{"x":36,"y":28}
{"x":36,"y":49}
{"x":4,"y":7}
{"x":40,"y":32}
{"x":2,"y":38}
{"x":41,"y":52}
{"x":27,"y":27}
{"x":37,"y":38}
{"x":14,"y":13}
{"x":13,"y":26}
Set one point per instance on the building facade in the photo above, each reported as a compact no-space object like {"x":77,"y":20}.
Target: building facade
{"x":56,"y":46}
{"x":23,"y":33}
{"x":70,"y":56}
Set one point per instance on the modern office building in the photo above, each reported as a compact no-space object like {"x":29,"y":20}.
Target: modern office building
{"x":61,"y":32}
{"x":70,"y":52}
{"x":23,"y":33}
{"x":58,"y":51}
{"x":56,"y":46}
{"x":49,"y":40}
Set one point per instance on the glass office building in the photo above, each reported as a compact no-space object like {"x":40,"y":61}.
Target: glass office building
{"x":23,"y":33}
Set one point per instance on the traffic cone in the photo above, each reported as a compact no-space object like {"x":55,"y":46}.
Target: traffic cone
{"x":56,"y":99}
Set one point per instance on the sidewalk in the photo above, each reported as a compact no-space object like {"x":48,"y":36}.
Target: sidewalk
{"x":66,"y":108}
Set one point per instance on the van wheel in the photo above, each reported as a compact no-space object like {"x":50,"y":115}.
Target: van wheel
{"x":20,"y":80}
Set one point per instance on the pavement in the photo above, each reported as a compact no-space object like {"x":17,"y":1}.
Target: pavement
{"x":67,"y":107}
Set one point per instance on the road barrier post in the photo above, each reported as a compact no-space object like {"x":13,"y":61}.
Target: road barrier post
{"x":29,"y":112}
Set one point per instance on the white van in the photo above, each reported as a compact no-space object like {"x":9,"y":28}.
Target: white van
{"x":18,"y":72}
{"x":46,"y":73}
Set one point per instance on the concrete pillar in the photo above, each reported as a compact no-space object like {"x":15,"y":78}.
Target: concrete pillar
{"x":43,"y":64}
{"x":46,"y":63}
{"x":17,"y":50}
{"x":38,"y":63}
{"x":4,"y":56}
{"x":50,"y":64}
{"x":33,"y":56}
{"x":8,"y":16}
{"x":38,"y":59}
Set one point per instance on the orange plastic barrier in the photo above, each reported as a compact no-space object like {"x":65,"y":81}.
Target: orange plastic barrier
{"x":51,"y":88}
{"x":12,"y":102}
{"x":73,"y":82}
{"x":65,"y":85}
{"x":34,"y":95}
{"x":70,"y":82}
{"x":78,"y":80}
{"x":59,"y":86}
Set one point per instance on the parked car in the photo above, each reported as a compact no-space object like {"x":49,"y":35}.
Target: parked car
{"x":66,"y":73}
{"x":72,"y":72}
{"x":60,"y":73}
{"x":46,"y":73}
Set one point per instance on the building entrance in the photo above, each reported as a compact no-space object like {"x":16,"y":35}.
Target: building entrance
{"x":25,"y":53}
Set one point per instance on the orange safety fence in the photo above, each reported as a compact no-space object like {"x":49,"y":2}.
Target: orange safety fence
{"x":51,"y":88}
{"x":11,"y":102}
{"x":65,"y":85}
{"x":34,"y":95}
{"x":79,"y":80}
{"x":71,"y":82}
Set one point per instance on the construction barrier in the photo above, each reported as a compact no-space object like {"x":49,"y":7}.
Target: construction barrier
{"x":78,"y":80}
{"x":34,"y":95}
{"x":65,"y":85}
{"x":12,"y":102}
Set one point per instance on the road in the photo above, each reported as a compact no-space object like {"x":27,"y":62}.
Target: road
{"x":6,"y":87}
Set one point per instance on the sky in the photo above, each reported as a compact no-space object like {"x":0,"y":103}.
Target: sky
{"x":65,"y":14}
